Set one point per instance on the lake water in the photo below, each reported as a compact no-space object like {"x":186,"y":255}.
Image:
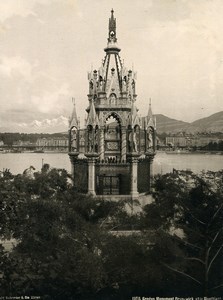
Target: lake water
{"x":163,"y":163}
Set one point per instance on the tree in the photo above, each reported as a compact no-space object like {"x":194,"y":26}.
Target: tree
{"x":187,"y":215}
{"x":61,"y":237}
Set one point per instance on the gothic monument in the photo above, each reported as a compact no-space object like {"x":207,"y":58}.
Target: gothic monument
{"x":118,"y":145}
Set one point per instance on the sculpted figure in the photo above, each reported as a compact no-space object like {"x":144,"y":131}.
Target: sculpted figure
{"x":124,"y":84}
{"x":149,"y":138}
{"x":74,"y":139}
{"x":96,"y":140}
{"x":132,"y":142}
{"x":135,"y":145}
{"x":90,"y":142}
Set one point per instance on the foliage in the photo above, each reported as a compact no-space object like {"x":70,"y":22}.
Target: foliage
{"x":214,"y":146}
{"x":63,"y":238}
{"x":65,"y":249}
{"x":187,"y":215}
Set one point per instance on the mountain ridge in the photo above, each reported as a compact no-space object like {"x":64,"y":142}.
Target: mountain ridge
{"x":212,"y":123}
{"x":166,"y":124}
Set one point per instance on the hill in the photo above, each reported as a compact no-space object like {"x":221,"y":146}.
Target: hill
{"x":213,"y":123}
{"x":165,"y":124}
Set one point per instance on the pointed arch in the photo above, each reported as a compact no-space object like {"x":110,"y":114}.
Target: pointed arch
{"x":115,"y":115}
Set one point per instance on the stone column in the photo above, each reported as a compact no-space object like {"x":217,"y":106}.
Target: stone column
{"x":134,"y":175}
{"x":101,"y":145}
{"x":69,"y":140}
{"x":150,"y":157}
{"x":86,"y":143}
{"x":151,"y":171}
{"x":139,"y":140}
{"x":72,"y":167}
{"x":91,"y":177}
{"x":123,"y":146}
{"x":73,"y":159}
{"x":93,"y":139}
{"x":78,"y":141}
{"x":91,"y":173}
{"x":134,"y":181}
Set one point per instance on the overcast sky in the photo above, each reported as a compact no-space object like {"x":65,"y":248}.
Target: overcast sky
{"x":48,"y":46}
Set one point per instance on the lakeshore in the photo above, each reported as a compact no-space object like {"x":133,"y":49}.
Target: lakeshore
{"x":163,"y":162}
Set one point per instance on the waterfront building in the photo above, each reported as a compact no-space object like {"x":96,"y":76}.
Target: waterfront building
{"x":23,"y":144}
{"x":53,"y":143}
{"x":202,"y":141}
{"x":189,"y":141}
{"x":119,"y":145}
{"x":177,"y":141}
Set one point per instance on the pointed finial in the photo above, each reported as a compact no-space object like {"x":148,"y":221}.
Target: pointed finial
{"x":112,"y":28}
{"x":150,"y":114}
{"x":73,"y":122}
{"x":92,"y":118}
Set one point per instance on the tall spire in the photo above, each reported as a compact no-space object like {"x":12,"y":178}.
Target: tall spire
{"x":73,"y":122}
{"x":150,"y":114}
{"x":92,"y":118}
{"x":112,"y":29}
{"x":135,"y":120}
{"x":151,"y":120}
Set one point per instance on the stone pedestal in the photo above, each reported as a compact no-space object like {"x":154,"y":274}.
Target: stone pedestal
{"x":91,"y":172}
{"x":73,"y":158}
{"x":133,"y":158}
{"x":150,"y":155}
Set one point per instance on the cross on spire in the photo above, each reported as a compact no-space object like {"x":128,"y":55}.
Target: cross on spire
{"x":112,"y":28}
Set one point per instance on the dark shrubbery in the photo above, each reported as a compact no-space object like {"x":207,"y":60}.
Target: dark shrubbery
{"x":65,"y":250}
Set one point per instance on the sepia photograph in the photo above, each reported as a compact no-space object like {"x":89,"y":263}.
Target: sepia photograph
{"x":111,"y":149}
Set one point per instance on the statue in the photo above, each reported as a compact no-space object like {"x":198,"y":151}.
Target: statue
{"x":73,"y":139}
{"x":149,"y":138}
{"x":124,"y":84}
{"x":135,"y":145}
{"x":133,"y":86}
{"x":101,"y":84}
{"x":96,"y":140}
{"x":90,"y":141}
{"x":132,"y":142}
{"x":112,"y":99}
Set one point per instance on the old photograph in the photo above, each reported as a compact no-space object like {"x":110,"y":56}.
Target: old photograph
{"x":111,"y":149}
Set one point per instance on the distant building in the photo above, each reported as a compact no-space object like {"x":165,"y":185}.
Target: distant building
{"x":177,"y":141}
{"x":22,"y":143}
{"x":201,"y":141}
{"x":52,"y":143}
{"x":1,"y":143}
{"x":191,"y":141}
